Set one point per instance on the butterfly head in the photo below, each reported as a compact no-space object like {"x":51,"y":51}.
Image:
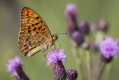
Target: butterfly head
{"x":54,"y":37}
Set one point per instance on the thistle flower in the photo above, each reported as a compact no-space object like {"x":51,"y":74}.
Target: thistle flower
{"x":109,"y":47}
{"x":84,"y":27}
{"x":78,"y":37}
{"x":85,"y":45}
{"x":59,"y":71}
{"x":15,"y":66}
{"x":102,"y":25}
{"x":106,"y":60}
{"x":94,"y":47}
{"x":56,"y":57}
{"x":71,"y":29}
{"x":72,"y":74}
{"x":71,"y":14}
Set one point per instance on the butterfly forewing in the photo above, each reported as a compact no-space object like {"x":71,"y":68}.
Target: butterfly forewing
{"x":34,"y":34}
{"x":30,"y":17}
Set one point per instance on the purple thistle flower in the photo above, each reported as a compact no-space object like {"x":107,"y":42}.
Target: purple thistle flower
{"x":59,"y":71}
{"x":56,"y":55}
{"x":106,"y":60}
{"x":71,"y":29}
{"x":71,"y":12}
{"x":84,"y":27}
{"x":72,"y":74}
{"x":15,"y":66}
{"x":103,"y":25}
{"x":78,"y":37}
{"x":94,"y":47}
{"x":85,"y":45}
{"x":109,"y":47}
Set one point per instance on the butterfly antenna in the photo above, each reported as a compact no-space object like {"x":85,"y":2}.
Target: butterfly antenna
{"x":60,"y":30}
{"x":63,"y":33}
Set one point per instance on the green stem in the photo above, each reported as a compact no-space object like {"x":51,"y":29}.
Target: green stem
{"x":101,"y":71}
{"x":88,"y":62}
{"x":96,"y":65}
{"x":107,"y":71}
{"x":78,"y":60}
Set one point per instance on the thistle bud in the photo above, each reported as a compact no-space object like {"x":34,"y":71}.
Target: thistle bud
{"x":15,"y":66}
{"x":71,"y":29}
{"x":78,"y":37}
{"x":72,"y":74}
{"x":84,"y":27}
{"x":71,"y":12}
{"x":86,"y":45}
{"x":105,"y":59}
{"x":56,"y":57}
{"x":102,"y":25}
{"x":94,"y":47}
{"x":59,"y":71}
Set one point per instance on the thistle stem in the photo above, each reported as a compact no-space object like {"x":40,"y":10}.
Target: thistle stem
{"x":107,"y":71}
{"x":78,"y":60}
{"x":88,"y":62}
{"x":101,"y":71}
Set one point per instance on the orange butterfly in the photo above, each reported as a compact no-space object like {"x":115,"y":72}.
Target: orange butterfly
{"x":34,"y":34}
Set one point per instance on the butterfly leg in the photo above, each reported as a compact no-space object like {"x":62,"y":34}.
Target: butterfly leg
{"x":54,"y":46}
{"x":45,"y":53}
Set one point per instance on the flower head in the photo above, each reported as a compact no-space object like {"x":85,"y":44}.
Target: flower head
{"x":71,"y":11}
{"x":15,"y":66}
{"x":55,"y":56}
{"x":84,"y":27}
{"x":59,"y":71}
{"x":109,"y":47}
{"x":103,"y":25}
{"x":94,"y":47}
{"x":78,"y":37}
{"x":71,"y":14}
{"x":106,"y":60}
{"x":85,"y":45}
{"x":72,"y":74}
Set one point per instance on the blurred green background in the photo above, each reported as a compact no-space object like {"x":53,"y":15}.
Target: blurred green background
{"x":53,"y":12}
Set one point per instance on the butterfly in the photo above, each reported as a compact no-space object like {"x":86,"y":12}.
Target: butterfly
{"x":34,"y":35}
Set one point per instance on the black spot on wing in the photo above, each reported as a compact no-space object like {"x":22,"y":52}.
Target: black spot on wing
{"x":29,"y":27}
{"x":37,"y":23}
{"x":37,"y":17}
{"x":33,"y":24}
{"x":34,"y":29}
{"x":37,"y":32}
{"x":43,"y":29}
{"x":39,"y":27}
{"x":29,"y":31}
